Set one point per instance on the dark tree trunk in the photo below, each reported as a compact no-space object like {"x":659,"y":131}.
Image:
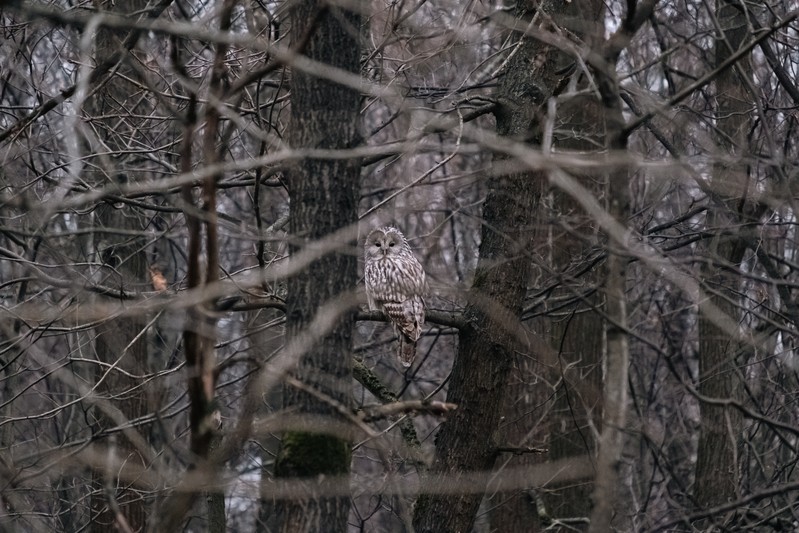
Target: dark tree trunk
{"x":717,"y":471}
{"x":121,"y":342}
{"x":575,"y":332}
{"x":466,"y":441}
{"x":492,"y":336}
{"x":562,"y":240}
{"x":324,"y":195}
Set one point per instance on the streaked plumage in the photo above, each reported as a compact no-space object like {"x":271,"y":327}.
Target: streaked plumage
{"x":395,"y":284}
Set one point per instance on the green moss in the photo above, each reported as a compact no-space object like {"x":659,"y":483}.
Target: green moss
{"x":311,"y":454}
{"x":372,"y":383}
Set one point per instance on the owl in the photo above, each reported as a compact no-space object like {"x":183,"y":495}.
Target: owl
{"x":395,"y":283}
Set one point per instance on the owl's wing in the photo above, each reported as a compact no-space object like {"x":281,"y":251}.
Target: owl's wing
{"x":415,"y":282}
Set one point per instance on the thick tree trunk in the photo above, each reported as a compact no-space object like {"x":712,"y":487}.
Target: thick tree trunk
{"x":466,"y":441}
{"x":494,"y":333}
{"x":324,"y":196}
{"x":575,"y":332}
{"x":717,"y":467}
{"x":563,"y":237}
{"x":120,"y":342}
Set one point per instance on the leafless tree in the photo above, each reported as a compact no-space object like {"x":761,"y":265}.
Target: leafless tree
{"x":602,"y":195}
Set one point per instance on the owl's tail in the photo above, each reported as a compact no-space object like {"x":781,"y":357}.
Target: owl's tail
{"x":407,"y":350}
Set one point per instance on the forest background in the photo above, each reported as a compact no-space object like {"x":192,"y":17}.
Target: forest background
{"x":602,"y":194}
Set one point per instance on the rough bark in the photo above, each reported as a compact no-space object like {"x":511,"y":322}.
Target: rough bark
{"x":575,"y":332}
{"x":323,"y":199}
{"x":717,"y":468}
{"x":121,"y":341}
{"x":466,"y":441}
{"x":562,"y":242}
{"x":493,"y":332}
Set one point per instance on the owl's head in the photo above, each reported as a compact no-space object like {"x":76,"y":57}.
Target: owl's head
{"x":385,"y":242}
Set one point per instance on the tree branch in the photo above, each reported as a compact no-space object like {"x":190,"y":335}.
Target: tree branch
{"x":99,"y":71}
{"x":709,"y":77}
{"x":437,"y":408}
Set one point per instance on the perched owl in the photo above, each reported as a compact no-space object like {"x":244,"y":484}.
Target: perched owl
{"x":395,"y":283}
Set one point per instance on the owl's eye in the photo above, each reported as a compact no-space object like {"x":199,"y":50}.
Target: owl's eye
{"x":377,"y":244}
{"x":391,"y":243}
